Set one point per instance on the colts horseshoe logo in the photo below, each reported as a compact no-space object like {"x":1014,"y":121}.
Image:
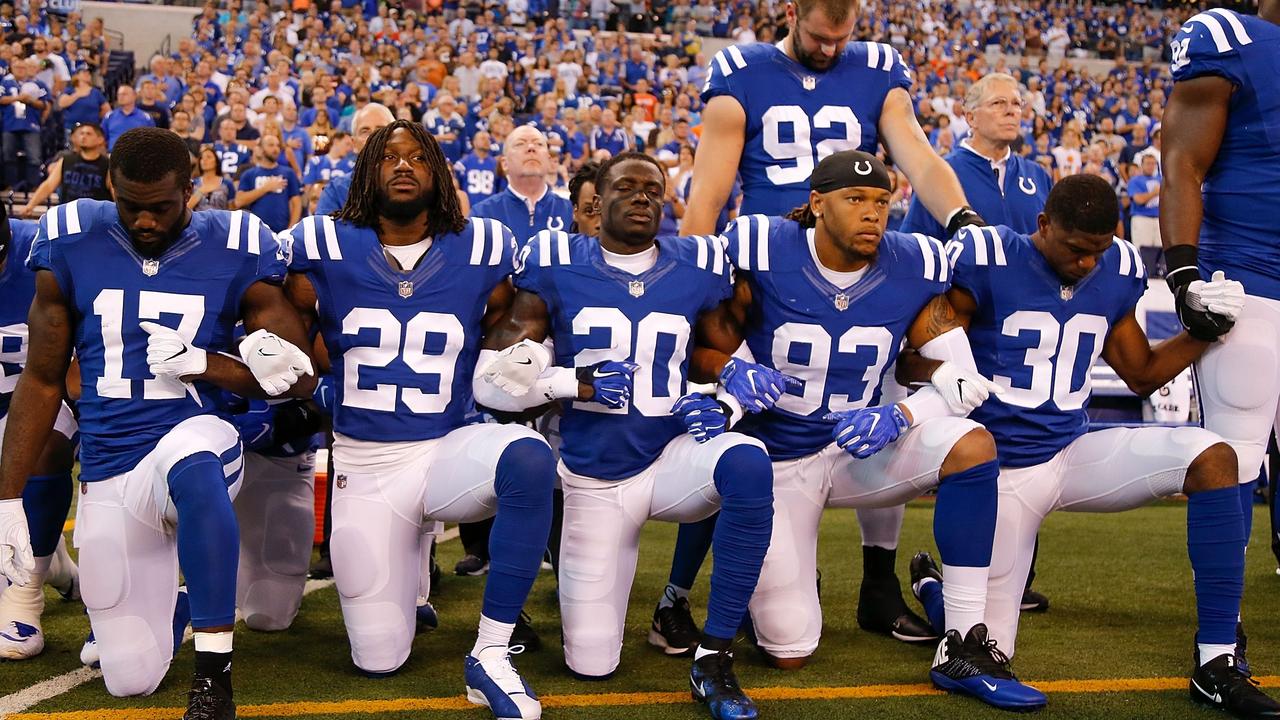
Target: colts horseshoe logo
{"x":555,"y":223}
{"x":1027,"y":185}
{"x":858,"y":167}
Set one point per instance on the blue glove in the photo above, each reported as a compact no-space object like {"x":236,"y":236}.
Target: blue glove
{"x":256,"y":425}
{"x":703,"y":416}
{"x":863,"y":433}
{"x":755,"y":386}
{"x":610,"y":381}
{"x":324,"y":396}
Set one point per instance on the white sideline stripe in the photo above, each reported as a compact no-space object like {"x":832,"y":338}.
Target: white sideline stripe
{"x":53,"y":687}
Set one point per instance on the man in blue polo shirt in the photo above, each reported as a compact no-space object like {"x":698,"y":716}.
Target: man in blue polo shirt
{"x":1144,"y":208}
{"x":527,"y":206}
{"x":270,"y":190}
{"x":126,"y":116}
{"x":1003,"y":187}
{"x":24,"y":103}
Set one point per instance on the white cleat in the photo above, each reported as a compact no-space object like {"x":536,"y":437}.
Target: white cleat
{"x":20,"y":641}
{"x":89,"y":656}
{"x":495,"y":684}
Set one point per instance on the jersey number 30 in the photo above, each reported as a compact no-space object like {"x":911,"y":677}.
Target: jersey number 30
{"x":799,"y":149}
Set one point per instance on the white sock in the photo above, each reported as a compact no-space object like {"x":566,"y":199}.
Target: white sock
{"x":492,"y":639}
{"x":1209,"y":651}
{"x":964,"y":594}
{"x":25,"y":604}
{"x":671,"y":594}
{"x":214,"y":642}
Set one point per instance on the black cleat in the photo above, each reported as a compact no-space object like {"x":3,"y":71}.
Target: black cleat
{"x":208,"y":701}
{"x":922,"y":566}
{"x":674,"y":630}
{"x":975,"y":667}
{"x":715,"y":686}
{"x":1242,"y":645}
{"x":322,"y":569}
{"x":882,"y":610}
{"x":1033,"y":601}
{"x":471,"y":566}
{"x":524,"y":639}
{"x":1220,"y":684}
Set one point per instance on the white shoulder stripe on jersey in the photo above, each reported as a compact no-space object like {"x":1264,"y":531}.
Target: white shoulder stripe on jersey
{"x":743,"y":230}
{"x":255,"y":230}
{"x":233,"y":229}
{"x":717,"y":254}
{"x":762,"y":245}
{"x":736,"y":56}
{"x":562,"y":246}
{"x":701,"y":242}
{"x":873,"y":55}
{"x":979,"y":244}
{"x":309,"y":238}
{"x":926,"y":251}
{"x":495,"y":253}
{"x":724,"y":64}
{"x":1219,"y":35}
{"x":997,"y":246}
{"x":330,"y":238}
{"x":887,"y":65}
{"x":73,"y":217}
{"x":543,"y":242}
{"x":944,"y":267}
{"x":1126,"y":262}
{"x":51,"y":222}
{"x":477,"y":240}
{"x":1237,"y":27}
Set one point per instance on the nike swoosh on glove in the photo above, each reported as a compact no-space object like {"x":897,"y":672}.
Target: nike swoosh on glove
{"x":864,"y":432}
{"x":963,"y":389}
{"x":16,"y":560}
{"x":755,"y":386}
{"x":515,"y":369}
{"x":323,"y":396}
{"x":170,"y":355}
{"x":275,"y":363}
{"x":611,"y":382}
{"x":703,"y":416}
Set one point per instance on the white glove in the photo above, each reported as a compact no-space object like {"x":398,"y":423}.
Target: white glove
{"x":16,"y":561}
{"x":1220,"y":295}
{"x":963,"y":389}
{"x":169,"y":355}
{"x":516,"y":368}
{"x":275,"y":363}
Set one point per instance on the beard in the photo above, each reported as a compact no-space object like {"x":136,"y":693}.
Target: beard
{"x":402,"y":211}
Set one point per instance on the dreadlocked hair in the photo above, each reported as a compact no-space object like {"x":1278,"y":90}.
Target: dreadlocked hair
{"x":362,"y":207}
{"x":803,"y":215}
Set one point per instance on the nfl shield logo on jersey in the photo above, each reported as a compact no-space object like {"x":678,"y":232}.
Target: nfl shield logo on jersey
{"x":406,"y":288}
{"x":810,"y":82}
{"x":636,"y":288}
{"x":150,"y":267}
{"x":341,"y":481}
{"x":842,"y":302}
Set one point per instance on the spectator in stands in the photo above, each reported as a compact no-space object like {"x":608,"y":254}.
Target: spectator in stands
{"x":369,"y":118}
{"x":1003,"y":187}
{"x":1128,"y":165}
{"x":527,"y":205}
{"x":126,"y":116}
{"x":168,"y":85}
{"x":447,"y":127}
{"x":246,"y":133}
{"x":477,"y":171}
{"x":82,"y":101}
{"x":80,"y":172}
{"x":210,"y":189}
{"x":582,"y":193}
{"x":610,"y":136}
{"x":297,"y":141}
{"x":151,"y":102}
{"x":1144,"y":208}
{"x":51,"y":68}
{"x":270,"y":190}
{"x":190,"y":133}
{"x":338,"y":162}
{"x":233,"y":155}
{"x":24,"y":104}
{"x":1066,"y":155}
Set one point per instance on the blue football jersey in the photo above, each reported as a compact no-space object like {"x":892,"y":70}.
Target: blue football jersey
{"x":837,"y":341}
{"x":599,"y":312}
{"x":195,"y":287}
{"x":1234,"y":236}
{"x":17,"y":288}
{"x":477,"y":176}
{"x":797,"y":116}
{"x":402,"y":344}
{"x":1038,"y":337}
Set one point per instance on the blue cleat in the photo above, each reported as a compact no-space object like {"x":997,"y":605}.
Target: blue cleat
{"x":495,"y":684}
{"x":427,"y":618}
{"x":976,"y":667}
{"x":715,"y":685}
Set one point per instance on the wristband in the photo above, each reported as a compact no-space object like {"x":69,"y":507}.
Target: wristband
{"x":1183,"y":265}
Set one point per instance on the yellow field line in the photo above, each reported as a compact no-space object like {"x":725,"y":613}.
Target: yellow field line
{"x":69,"y":525}
{"x":860,"y":692}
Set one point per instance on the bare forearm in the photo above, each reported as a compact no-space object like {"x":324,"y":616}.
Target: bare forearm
{"x":936,"y":184}
{"x":914,"y":369}
{"x":1181,"y":204}
{"x":706,"y":365}
{"x":245,"y":198}
{"x":230,"y":374}
{"x":1167,"y":360}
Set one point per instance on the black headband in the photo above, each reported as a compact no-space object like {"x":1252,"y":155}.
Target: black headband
{"x":850,"y":168}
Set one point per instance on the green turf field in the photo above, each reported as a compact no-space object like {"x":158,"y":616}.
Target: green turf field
{"x":1122,"y":608}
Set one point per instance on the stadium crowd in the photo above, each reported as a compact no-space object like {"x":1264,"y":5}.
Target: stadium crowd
{"x":471,"y":73}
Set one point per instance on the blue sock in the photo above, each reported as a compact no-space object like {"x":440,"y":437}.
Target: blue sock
{"x":964,"y":516}
{"x":934,"y":609}
{"x":1246,"y":507}
{"x":744,"y":479}
{"x":1215,"y":543}
{"x":692,"y":543}
{"x":46,"y":500}
{"x":524,"y":480}
{"x":208,"y":538}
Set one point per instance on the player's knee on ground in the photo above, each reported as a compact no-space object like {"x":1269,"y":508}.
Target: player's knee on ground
{"x":1214,"y":468}
{"x":593,"y":650}
{"x":785,"y":663}
{"x":973,"y":449}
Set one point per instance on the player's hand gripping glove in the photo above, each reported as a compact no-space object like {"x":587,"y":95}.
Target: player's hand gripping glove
{"x":516,"y":368}
{"x":16,"y":561}
{"x":963,"y":217}
{"x":703,"y":416}
{"x":754,"y":386}
{"x":610,"y":382}
{"x":1192,"y":296}
{"x":863,"y":433}
{"x":963,"y":389}
{"x":275,"y":363}
{"x":169,"y":355}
